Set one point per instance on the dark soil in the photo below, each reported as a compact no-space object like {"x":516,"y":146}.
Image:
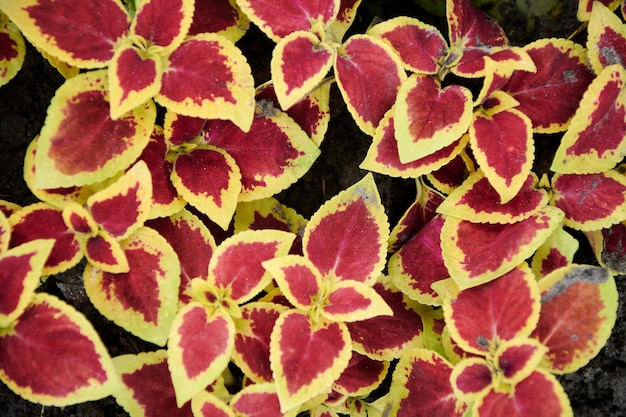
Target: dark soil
{"x":598,"y":389}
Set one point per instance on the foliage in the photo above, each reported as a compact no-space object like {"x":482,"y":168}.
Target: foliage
{"x":468,"y":305}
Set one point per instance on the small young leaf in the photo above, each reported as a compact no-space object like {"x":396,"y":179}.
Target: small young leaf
{"x":471,"y":377}
{"x":361,"y":377}
{"x":557,"y":251}
{"x":517,"y":359}
{"x":298,"y":279}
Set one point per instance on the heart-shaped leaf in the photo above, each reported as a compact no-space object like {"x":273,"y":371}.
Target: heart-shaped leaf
{"x":299,"y":63}
{"x":428,"y":118}
{"x":210,"y":180}
{"x":200,"y":343}
{"x":306,"y":365}
{"x":503,"y":146}
{"x":383,"y":155}
{"x":66,"y":364}
{"x":351,"y":223}
{"x":134,"y":78}
{"x":366,"y":60}
{"x":596,"y":138}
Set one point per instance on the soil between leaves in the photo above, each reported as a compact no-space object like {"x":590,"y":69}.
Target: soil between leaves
{"x":598,"y":389}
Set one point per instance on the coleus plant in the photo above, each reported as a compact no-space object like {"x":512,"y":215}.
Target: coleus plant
{"x":300,"y":311}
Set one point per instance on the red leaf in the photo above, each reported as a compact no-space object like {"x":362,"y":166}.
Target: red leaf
{"x":512,"y":306}
{"x":278,"y":20}
{"x":163,"y":22}
{"x":368,"y":75}
{"x":63,"y":365}
{"x":94,"y":29}
{"x":550,"y":96}
{"x":591,"y":201}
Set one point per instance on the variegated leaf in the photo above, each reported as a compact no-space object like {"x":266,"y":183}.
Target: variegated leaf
{"x":366,"y":60}
{"x":346,"y":238}
{"x":596,"y":139}
{"x":66,"y":364}
{"x":428,"y":118}
{"x":228,"y":93}
{"x":12,"y":50}
{"x":476,"y":253}
{"x":79,"y":143}
{"x":142,"y":300}
{"x":96,"y":28}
